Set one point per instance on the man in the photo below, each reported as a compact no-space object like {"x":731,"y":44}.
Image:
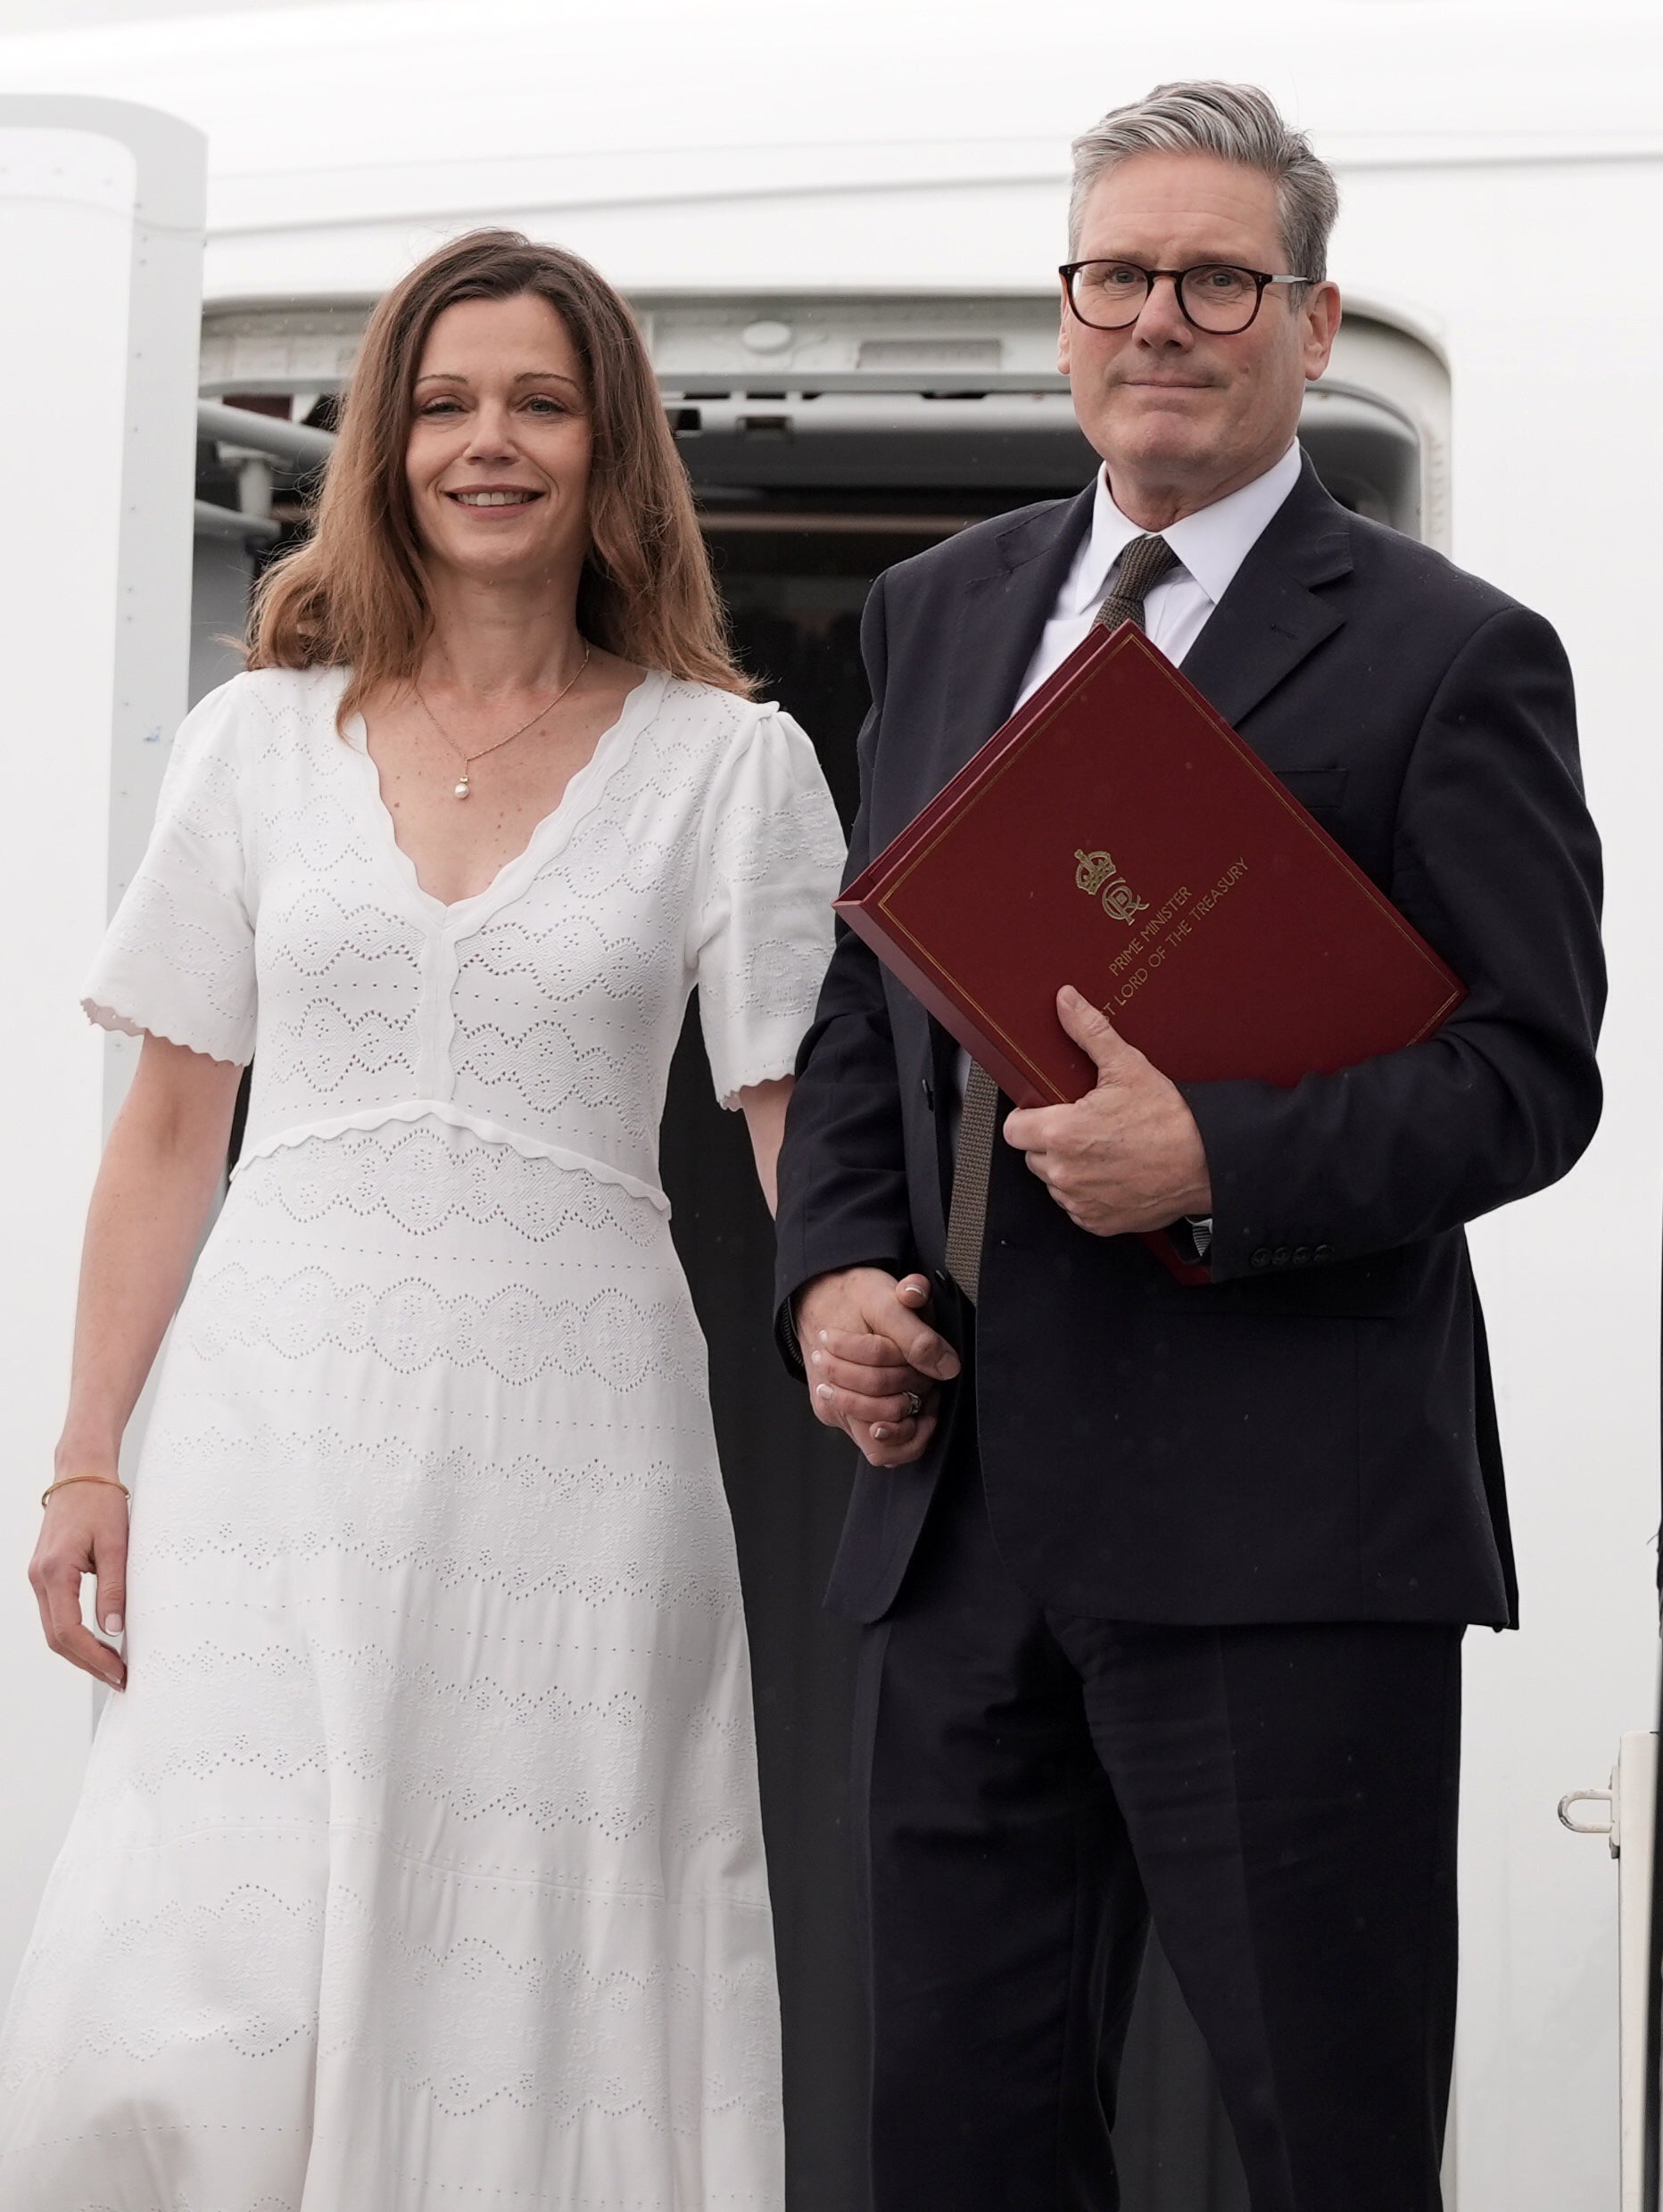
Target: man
{"x":1163,"y":1587}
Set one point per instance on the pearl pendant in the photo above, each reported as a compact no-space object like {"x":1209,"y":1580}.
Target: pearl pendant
{"x":461,"y":789}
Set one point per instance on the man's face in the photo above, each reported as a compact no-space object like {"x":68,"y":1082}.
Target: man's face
{"x":1183,"y":416}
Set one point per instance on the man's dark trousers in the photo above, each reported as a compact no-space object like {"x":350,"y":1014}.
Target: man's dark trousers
{"x":1037,"y":1784}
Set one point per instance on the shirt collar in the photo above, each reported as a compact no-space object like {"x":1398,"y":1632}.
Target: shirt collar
{"x":1211,"y":544}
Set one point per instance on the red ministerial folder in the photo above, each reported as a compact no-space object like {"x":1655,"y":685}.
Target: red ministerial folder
{"x":1116,"y":834}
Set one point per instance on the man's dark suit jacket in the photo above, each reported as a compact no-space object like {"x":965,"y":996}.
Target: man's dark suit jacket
{"x":1313,"y":1436}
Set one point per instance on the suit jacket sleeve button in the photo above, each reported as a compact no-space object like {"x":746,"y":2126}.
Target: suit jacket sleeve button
{"x":1302,"y":1255}
{"x":1323,"y":1251}
{"x":1261,"y":1257}
{"x":1280,"y":1257}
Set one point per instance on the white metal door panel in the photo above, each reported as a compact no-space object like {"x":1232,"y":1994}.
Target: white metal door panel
{"x":101,"y":212}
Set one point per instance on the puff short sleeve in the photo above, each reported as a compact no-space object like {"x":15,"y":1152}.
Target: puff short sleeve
{"x":177,"y":959}
{"x":773,"y":858}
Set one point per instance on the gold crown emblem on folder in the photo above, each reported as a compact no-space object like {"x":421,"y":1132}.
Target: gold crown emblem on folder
{"x":1096,"y":875}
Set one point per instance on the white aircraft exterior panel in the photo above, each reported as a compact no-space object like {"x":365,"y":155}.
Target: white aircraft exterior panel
{"x":100,"y":240}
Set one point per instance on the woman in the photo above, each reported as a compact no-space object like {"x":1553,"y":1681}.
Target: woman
{"x":419,"y":1863}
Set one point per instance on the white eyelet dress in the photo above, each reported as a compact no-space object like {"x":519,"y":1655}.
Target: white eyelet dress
{"x":420,"y":1867}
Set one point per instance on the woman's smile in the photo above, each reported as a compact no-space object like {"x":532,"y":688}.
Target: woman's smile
{"x":479,"y":498}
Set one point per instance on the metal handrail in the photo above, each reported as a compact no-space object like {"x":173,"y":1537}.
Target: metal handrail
{"x":226,"y":522}
{"x":264,"y":434}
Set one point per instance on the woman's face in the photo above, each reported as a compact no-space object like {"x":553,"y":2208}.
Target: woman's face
{"x":499,"y":444}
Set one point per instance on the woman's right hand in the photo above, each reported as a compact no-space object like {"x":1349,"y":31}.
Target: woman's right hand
{"x":869,"y":1353}
{"x":84,"y":1532}
{"x":160,"y":1170}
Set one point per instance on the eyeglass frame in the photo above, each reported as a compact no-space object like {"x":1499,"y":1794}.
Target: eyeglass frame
{"x":1067,"y":270}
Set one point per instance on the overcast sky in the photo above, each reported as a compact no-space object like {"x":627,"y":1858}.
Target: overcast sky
{"x":49,"y":15}
{"x":65,"y":14}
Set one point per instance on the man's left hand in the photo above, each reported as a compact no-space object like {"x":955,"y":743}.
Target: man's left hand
{"x":1128,"y":1156}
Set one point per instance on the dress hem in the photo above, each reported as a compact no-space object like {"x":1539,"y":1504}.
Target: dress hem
{"x":773,"y":1070}
{"x":105,"y":1017}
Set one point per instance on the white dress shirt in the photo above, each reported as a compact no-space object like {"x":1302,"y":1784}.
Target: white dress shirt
{"x":1211,"y":545}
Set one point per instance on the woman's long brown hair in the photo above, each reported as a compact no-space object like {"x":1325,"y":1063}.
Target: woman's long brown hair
{"x":354,"y":596}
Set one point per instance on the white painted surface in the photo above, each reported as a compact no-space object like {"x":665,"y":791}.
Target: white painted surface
{"x":1555,"y":466}
{"x":919,"y":150}
{"x":1634,"y":1790}
{"x":100,"y":257}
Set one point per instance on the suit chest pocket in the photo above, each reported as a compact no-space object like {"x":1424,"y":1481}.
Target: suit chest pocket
{"x":1321,"y":791}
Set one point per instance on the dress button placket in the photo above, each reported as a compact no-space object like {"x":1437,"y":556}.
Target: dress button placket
{"x":440,"y":965}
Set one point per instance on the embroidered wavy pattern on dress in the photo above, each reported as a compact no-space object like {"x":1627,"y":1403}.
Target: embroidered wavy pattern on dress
{"x":504,"y":2011}
{"x":560,"y":2001}
{"x":604,"y":1528}
{"x":479,"y":1758}
{"x":423,"y":1181}
{"x":411,"y":1325}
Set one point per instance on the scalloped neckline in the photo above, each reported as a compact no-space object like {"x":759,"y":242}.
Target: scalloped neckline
{"x":582,"y":793}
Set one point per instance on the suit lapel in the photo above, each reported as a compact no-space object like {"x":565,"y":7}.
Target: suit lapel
{"x":1001,"y":613}
{"x":1273,"y":616}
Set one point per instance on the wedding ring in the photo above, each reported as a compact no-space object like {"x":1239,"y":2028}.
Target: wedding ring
{"x":914,"y":1406}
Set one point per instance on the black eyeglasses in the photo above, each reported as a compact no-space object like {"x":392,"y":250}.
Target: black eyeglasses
{"x":1214,"y":296}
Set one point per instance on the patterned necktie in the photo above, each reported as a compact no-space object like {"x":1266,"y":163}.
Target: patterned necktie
{"x":1140,"y":567}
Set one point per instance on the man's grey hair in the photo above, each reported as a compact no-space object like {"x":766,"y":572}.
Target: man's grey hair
{"x":1237,"y":123}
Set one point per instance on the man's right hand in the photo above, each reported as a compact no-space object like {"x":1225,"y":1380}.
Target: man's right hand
{"x":868,"y":1349}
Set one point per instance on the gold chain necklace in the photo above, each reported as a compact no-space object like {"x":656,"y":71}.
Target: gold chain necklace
{"x":496,"y":745}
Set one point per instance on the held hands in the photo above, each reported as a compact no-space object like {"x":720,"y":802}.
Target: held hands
{"x":869,"y":1355}
{"x":1128,"y":1156}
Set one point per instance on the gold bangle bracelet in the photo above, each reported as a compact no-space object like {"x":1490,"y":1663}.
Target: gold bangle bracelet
{"x":108,"y":1481}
